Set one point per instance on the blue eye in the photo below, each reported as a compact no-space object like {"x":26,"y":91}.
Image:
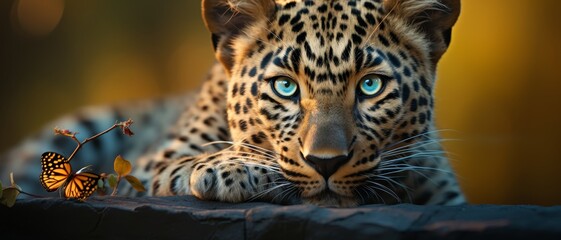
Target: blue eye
{"x":284,"y":87}
{"x":370,"y":85}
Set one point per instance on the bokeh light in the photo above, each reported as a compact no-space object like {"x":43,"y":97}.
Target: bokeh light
{"x":37,"y":17}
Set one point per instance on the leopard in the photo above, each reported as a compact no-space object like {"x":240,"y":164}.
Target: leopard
{"x":322,"y":102}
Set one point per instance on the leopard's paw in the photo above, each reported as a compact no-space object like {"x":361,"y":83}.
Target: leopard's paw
{"x":232,"y":181}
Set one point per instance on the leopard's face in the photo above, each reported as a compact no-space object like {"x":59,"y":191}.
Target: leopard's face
{"x":329,"y":87}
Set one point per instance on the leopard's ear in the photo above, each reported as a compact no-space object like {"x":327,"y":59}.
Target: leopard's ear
{"x":226,"y":19}
{"x":434,"y":18}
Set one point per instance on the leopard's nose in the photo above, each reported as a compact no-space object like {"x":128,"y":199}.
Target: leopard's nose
{"x":326,"y":166}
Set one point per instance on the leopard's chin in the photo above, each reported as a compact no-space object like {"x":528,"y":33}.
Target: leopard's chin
{"x":331,"y":199}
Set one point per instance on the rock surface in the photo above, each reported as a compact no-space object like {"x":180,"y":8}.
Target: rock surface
{"x":188,"y":218}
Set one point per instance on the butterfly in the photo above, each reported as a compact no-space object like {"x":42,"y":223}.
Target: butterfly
{"x":57,"y":172}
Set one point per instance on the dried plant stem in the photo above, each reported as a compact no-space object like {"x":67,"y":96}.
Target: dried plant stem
{"x":30,"y":194}
{"x":114,"y":193}
{"x":80,"y":144}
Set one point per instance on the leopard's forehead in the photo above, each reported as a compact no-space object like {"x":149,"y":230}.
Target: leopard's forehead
{"x":327,"y":44}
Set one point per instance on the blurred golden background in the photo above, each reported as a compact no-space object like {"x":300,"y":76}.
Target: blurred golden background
{"x":496,"y":93}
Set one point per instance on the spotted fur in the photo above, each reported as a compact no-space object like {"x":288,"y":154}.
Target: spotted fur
{"x":329,"y":145}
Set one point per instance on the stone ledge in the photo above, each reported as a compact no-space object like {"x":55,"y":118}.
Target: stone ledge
{"x":188,"y":218}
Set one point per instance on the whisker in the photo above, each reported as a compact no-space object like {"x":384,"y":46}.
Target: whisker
{"x":416,"y":171}
{"x":391,"y":181}
{"x":258,"y":149}
{"x":417,"y":157}
{"x":360,"y":195}
{"x":380,"y":23}
{"x":373,"y":191}
{"x":418,"y":144}
{"x":405,"y":165}
{"x":275,"y":35}
{"x":249,"y":156}
{"x":413,"y":146}
{"x":286,"y":191}
{"x":413,"y":154}
{"x":385,"y":189}
{"x":424,"y":134}
{"x":267,"y":191}
{"x":253,"y":163}
{"x":289,"y":194}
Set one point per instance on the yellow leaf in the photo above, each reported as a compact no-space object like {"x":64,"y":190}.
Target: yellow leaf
{"x":112,"y":180}
{"x":9,"y":196}
{"x":122,"y":166}
{"x":135,"y":183}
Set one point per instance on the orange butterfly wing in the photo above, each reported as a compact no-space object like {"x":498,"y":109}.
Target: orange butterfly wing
{"x":81,"y":185}
{"x":55,"y":171}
